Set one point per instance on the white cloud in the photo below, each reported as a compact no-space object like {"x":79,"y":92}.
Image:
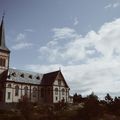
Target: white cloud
{"x":63,"y":33}
{"x":90,"y":62}
{"x":21,"y":42}
{"x":20,"y":37}
{"x":116,"y":5}
{"x":108,"y":6}
{"x":76,"y":22}
{"x":29,"y":30}
{"x":112,"y":5}
{"x":22,"y":45}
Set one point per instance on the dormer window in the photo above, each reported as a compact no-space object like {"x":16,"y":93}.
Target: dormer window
{"x":30,"y":76}
{"x":22,"y":75}
{"x":13,"y":74}
{"x":38,"y":78}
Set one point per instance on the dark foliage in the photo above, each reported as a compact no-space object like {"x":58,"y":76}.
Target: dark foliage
{"x":77,"y":98}
{"x":87,"y":108}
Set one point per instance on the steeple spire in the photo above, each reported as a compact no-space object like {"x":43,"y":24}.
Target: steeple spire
{"x":2,"y":36}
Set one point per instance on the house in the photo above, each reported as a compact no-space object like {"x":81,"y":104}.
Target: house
{"x":15,"y":84}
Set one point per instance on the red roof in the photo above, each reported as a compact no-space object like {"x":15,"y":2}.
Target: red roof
{"x":49,"y":78}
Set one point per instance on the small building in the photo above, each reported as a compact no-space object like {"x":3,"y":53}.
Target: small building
{"x":15,"y":84}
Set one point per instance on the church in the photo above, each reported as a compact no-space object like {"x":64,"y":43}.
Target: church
{"x":38,"y":87}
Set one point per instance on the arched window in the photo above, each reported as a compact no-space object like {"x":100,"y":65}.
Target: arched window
{"x":16,"y":90}
{"x":34,"y":92}
{"x":42,"y":92}
{"x":9,"y":85}
{"x":2,"y":62}
{"x":59,"y":82}
{"x":56,"y":91}
{"x":63,"y":91}
{"x":26,"y":90}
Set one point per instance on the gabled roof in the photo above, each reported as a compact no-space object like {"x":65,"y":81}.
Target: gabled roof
{"x":2,"y":37}
{"x":49,"y":78}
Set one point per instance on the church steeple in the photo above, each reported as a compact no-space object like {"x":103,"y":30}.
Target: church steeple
{"x":4,"y":51}
{"x":2,"y":37}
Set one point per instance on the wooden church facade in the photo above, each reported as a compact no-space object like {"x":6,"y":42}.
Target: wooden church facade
{"x":17,"y":84}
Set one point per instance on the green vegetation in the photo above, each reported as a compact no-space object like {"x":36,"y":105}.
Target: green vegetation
{"x":83,"y":108}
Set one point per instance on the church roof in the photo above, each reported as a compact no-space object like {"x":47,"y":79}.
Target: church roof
{"x":2,"y":37}
{"x":21,"y":76}
{"x":27,"y":77}
{"x":49,"y":78}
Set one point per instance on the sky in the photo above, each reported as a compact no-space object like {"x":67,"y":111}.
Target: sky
{"x":79,"y":37}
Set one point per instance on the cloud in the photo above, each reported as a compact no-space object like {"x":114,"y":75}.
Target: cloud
{"x":22,"y":45}
{"x":116,"y":5}
{"x":63,"y":33}
{"x":21,"y":42}
{"x":112,"y":5}
{"x":76,"y":22}
{"x":20,"y":37}
{"x":89,"y":63}
{"x":29,"y":30}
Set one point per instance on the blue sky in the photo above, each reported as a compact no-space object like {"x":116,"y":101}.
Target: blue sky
{"x":80,"y":37}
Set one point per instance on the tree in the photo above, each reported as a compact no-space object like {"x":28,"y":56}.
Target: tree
{"x":77,"y":98}
{"x":92,"y":96}
{"x":108,"y":98}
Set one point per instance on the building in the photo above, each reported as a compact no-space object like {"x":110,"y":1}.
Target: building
{"x":15,"y":84}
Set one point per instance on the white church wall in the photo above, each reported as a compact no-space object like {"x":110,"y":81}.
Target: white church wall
{"x":9,"y":92}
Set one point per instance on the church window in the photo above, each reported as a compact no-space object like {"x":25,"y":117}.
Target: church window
{"x":14,"y":74}
{"x":56,"y":91}
{"x":63,"y":91}
{"x":9,"y":95}
{"x":56,"y":98}
{"x":38,"y":78}
{"x":16,"y":90}
{"x":30,"y":76}
{"x":9,"y":85}
{"x":42,"y":92}
{"x":59,"y":82}
{"x":22,"y":75}
{"x":26,"y":90}
{"x":34,"y":92}
{"x":2,"y":62}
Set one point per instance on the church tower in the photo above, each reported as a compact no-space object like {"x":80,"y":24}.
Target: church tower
{"x":4,"y":51}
